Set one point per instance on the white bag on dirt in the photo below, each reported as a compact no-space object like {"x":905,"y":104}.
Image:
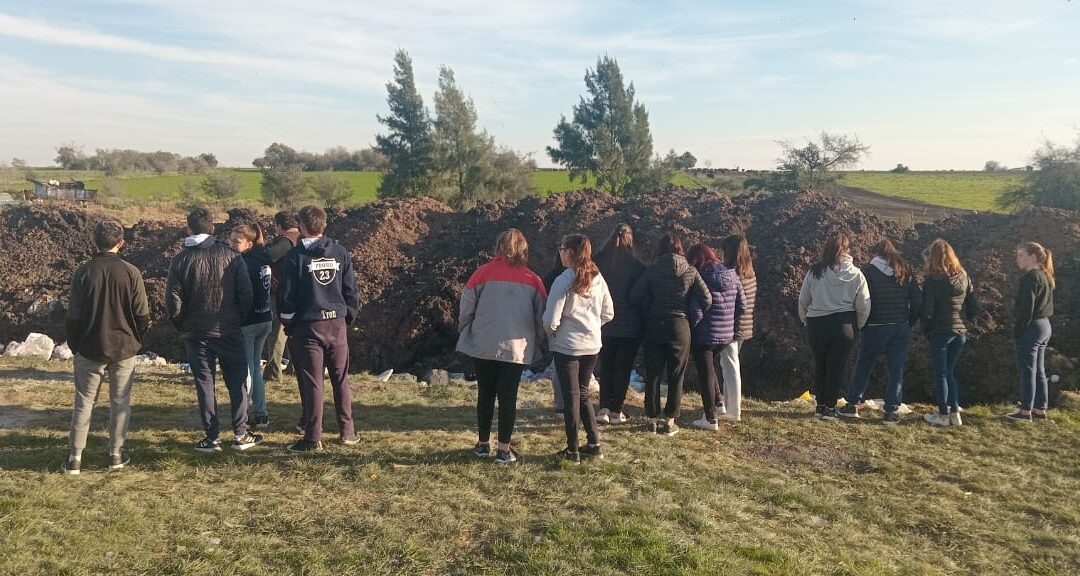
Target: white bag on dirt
{"x":62,"y":352}
{"x":35,"y":346}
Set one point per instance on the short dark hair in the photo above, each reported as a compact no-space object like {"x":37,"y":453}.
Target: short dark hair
{"x":107,"y":234}
{"x":313,"y":219}
{"x":200,"y":221}
{"x":286,"y":220}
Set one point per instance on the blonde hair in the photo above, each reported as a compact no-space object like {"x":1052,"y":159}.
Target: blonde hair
{"x":1043,"y":256}
{"x":512,"y":247}
{"x":941,"y":259}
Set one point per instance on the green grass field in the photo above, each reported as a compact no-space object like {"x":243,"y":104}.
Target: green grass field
{"x":781,"y":493}
{"x":968,"y":190}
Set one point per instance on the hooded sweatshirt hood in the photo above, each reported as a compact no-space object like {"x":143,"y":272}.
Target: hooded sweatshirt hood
{"x":316,"y":247}
{"x":883,"y":265}
{"x":197,"y":240}
{"x":841,"y":288}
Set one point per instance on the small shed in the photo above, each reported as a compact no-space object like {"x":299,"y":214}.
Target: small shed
{"x":73,"y":190}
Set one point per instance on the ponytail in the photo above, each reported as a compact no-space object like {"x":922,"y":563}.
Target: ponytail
{"x":1044,"y":257}
{"x":580,"y":262}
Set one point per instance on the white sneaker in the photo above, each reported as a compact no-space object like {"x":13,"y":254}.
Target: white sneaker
{"x":703,"y":424}
{"x":937,"y":419}
{"x":720,"y":409}
{"x":955,"y":420}
{"x":729,"y":418}
{"x":602,"y":417}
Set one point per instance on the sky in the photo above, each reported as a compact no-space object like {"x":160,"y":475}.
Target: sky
{"x":933,"y":84}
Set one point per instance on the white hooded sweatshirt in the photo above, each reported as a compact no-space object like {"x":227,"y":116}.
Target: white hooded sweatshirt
{"x":841,"y":288}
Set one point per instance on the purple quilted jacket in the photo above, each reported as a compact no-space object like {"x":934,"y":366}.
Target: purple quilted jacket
{"x":716,"y":326}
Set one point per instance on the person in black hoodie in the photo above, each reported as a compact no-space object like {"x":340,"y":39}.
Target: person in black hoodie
{"x":317,"y":299}
{"x":662,"y":294}
{"x":622,"y":336}
{"x":207,"y":296}
{"x":896,"y":302}
{"x":948,"y":298}
{"x":248,"y":240}
{"x":1032,"y":311}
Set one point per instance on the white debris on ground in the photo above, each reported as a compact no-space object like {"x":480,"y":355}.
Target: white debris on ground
{"x":150,"y":359}
{"x":35,"y":346}
{"x":62,"y":352}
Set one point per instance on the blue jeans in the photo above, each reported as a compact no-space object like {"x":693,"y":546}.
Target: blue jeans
{"x":1031,"y":359}
{"x":254,"y":339}
{"x":945,"y":352}
{"x":892,"y":341}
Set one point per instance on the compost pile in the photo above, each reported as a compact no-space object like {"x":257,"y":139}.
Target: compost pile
{"x":413,"y":257}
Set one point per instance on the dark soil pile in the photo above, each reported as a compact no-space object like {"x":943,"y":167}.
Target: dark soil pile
{"x":413,"y":257}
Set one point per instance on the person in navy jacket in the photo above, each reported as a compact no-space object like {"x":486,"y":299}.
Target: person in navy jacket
{"x":317,"y":300}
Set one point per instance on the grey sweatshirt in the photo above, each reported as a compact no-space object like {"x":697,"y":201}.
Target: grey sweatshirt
{"x":573,"y":321}
{"x":841,"y":288}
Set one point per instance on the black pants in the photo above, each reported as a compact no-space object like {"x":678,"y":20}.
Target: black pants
{"x":575,"y":374}
{"x":495,"y":379}
{"x":708,"y":383}
{"x":667,"y":345}
{"x":831,"y":338}
{"x":313,"y":347}
{"x":202,"y":354}
{"x":616,"y":363}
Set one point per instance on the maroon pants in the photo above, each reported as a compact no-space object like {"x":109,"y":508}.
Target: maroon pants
{"x":313,"y":346}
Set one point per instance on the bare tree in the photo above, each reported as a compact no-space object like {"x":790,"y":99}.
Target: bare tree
{"x":809,"y":166}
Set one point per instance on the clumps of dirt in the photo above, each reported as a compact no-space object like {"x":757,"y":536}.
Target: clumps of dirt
{"x":797,"y":455}
{"x":413,"y":256}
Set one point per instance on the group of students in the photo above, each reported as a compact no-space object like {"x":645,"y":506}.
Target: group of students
{"x":591,"y":315}
{"x":879,"y":304}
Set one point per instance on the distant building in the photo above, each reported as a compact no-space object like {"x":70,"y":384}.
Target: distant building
{"x":74,"y":190}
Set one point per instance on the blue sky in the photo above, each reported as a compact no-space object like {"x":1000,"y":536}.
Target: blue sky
{"x":934,"y":84}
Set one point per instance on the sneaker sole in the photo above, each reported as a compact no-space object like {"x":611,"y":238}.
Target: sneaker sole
{"x":71,"y":472}
{"x":291,"y":451}
{"x":242,"y":447}
{"x":849,"y":416}
{"x":117,"y":466}
{"x":208,"y":450}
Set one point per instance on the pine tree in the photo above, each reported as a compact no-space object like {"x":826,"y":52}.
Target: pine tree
{"x":408,"y":145}
{"x":463,"y":153}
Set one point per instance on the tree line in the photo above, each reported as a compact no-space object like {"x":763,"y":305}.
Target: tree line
{"x":114,"y":162}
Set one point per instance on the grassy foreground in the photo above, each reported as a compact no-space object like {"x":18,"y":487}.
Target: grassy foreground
{"x":778,"y":494}
{"x":966,"y":190}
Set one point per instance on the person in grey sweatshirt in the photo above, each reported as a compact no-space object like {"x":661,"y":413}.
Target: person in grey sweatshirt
{"x":834,"y":303}
{"x":578,"y":305}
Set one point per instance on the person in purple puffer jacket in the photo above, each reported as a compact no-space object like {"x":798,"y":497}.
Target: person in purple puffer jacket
{"x":713,"y":330}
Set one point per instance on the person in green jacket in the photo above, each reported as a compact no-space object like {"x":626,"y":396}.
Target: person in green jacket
{"x":1033,"y":308}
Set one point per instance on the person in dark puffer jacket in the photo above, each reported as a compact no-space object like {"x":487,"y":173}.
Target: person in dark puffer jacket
{"x":948,"y":298}
{"x":713,"y":329}
{"x":317,"y":299}
{"x":622,"y":336}
{"x":896,"y":302}
{"x":207,"y":296}
{"x":663,"y":293}
{"x":1032,"y":311}
{"x":248,"y":240}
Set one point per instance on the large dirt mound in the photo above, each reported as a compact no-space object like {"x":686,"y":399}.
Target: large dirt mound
{"x":413,"y":256}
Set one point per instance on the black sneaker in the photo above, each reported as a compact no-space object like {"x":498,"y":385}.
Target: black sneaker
{"x":849,"y":411}
{"x":591,"y":451}
{"x":118,"y":461}
{"x":652,"y":427}
{"x":891,"y":418}
{"x":71,"y":467}
{"x":208,"y":446}
{"x":667,"y":429}
{"x":249,"y":440}
{"x":827,"y":414}
{"x":262,"y":421}
{"x":1040,"y":416}
{"x":572,"y":456}
{"x":302,"y":446}
{"x":482,"y":450}
{"x":1019,"y":416}
{"x":507,"y":456}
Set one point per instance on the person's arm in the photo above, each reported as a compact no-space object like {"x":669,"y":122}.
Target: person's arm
{"x":607,"y":306}
{"x":929,"y":304}
{"x":740,"y":301}
{"x":556,"y":302}
{"x":287,"y":291}
{"x":244,"y":292}
{"x":467,"y":304}
{"x":279,"y":248}
{"x":141,"y":305}
{"x":73,"y":320}
{"x":1024,"y":307}
{"x":862,"y":300}
{"x":914,"y":302}
{"x":174,"y":295}
{"x":640,"y":296}
{"x":805,"y":298}
{"x":972,"y":306}
{"x":701,"y":290}
{"x":349,"y":290}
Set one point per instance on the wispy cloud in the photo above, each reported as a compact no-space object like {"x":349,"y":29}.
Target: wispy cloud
{"x":846,"y":60}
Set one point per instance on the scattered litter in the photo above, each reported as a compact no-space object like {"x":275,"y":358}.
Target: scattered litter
{"x":214,"y":541}
{"x":437,"y":377}
{"x":62,"y":352}
{"x":405,"y":377}
{"x":385,"y":376}
{"x":185,"y":367}
{"x":150,"y":359}
{"x":594,"y":385}
{"x":1054,"y":378}
{"x":35,"y":346}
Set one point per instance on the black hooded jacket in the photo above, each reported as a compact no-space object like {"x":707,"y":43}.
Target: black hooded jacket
{"x":259,"y":264}
{"x":317,"y":283}
{"x":207,"y":292}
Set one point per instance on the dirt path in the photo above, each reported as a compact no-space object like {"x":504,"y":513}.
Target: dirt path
{"x":906,"y":212}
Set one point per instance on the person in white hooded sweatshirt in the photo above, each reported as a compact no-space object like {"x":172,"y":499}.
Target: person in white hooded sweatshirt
{"x":578,"y":305}
{"x":834,"y":303}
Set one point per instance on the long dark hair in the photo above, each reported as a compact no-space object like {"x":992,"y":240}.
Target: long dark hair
{"x":669,"y":244}
{"x":584,"y":268}
{"x":700,"y":256}
{"x":737,"y":255}
{"x":887,"y":251}
{"x":618,"y":249}
{"x":835,"y":247}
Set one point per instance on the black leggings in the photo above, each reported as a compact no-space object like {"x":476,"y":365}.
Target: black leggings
{"x":831,"y":338}
{"x":616,"y":363}
{"x":666,"y":350}
{"x":708,"y":383}
{"x":495,"y":379}
{"x":575,"y":375}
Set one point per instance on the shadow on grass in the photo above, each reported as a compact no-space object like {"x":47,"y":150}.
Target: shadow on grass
{"x":35,"y":374}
